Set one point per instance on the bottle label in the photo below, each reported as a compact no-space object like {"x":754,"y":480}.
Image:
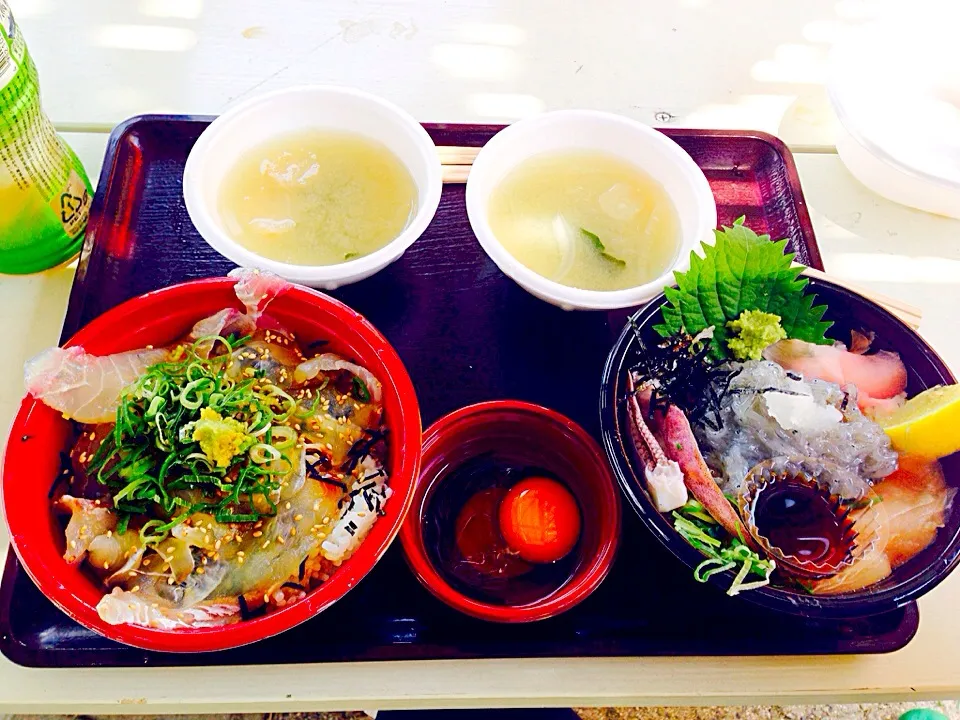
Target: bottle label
{"x":44,"y":192}
{"x":8,"y":66}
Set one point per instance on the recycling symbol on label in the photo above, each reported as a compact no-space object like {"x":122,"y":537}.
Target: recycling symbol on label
{"x":70,"y":205}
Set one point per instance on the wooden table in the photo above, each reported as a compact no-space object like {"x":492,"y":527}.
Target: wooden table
{"x":706,"y":63}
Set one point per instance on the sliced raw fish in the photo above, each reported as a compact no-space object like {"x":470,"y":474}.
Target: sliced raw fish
{"x":880,"y":375}
{"x":915,"y":499}
{"x":124,"y":607}
{"x":256,"y":289}
{"x":871,"y":568}
{"x":88,"y":520}
{"x":913,"y":505}
{"x":84,"y":387}
{"x":225,"y":322}
{"x":330,"y":362}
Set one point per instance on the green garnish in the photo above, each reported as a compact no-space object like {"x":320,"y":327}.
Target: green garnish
{"x":191,"y":437}
{"x":594,"y":240}
{"x":350,"y":255}
{"x":360,"y":391}
{"x":723,"y":552}
{"x":741,"y":271}
{"x":752,"y":333}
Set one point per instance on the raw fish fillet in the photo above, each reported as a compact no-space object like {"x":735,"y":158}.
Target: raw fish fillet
{"x":123,"y":607}
{"x":88,"y":520}
{"x":879,"y":376}
{"x":224,"y":323}
{"x":330,"y":362}
{"x":83,"y":387}
{"x":913,"y":506}
{"x":915,"y":502}
{"x":256,"y":289}
{"x":871,"y":568}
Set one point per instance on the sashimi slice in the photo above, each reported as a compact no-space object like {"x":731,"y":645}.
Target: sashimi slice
{"x":224,"y":323}
{"x":84,"y":387}
{"x":88,"y":520}
{"x":330,"y":362}
{"x":915,"y":499}
{"x":256,"y":289}
{"x":880,"y":375}
{"x":868,"y":570}
{"x":878,"y":407}
{"x":123,"y":607}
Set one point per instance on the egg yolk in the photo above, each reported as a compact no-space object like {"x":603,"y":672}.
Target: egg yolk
{"x":540,"y":520}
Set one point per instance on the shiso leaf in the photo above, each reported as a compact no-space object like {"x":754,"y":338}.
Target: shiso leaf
{"x":741,"y":271}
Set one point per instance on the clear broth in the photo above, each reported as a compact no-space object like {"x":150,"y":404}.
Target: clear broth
{"x":586,"y":219}
{"x":317,"y":197}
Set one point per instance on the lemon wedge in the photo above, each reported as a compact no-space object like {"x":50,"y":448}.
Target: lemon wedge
{"x":928,"y":424}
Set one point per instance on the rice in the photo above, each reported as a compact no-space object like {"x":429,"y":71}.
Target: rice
{"x":368,"y":495}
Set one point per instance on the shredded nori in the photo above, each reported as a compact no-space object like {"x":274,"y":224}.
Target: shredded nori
{"x":361,"y":448}
{"x":303,"y":568}
{"x":295,"y":586}
{"x":246,"y":613}
{"x":680,"y":371}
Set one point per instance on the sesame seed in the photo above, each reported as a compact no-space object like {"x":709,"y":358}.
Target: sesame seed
{"x":109,"y":533}
{"x":298,"y":517}
{"x":156,"y":605}
{"x":287,"y":506}
{"x":73,"y":543}
{"x":280,"y":539}
{"x":326,"y":519}
{"x":135,"y":588}
{"x":266,"y":598}
{"x":132,"y":573}
{"x":258,"y":533}
{"x":266,"y":544}
{"x":199,"y":571}
{"x":293,"y":531}
{"x":169,"y":581}
{"x":106,"y":566}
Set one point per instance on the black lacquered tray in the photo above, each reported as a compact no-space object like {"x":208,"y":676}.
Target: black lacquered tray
{"x":466,"y":334}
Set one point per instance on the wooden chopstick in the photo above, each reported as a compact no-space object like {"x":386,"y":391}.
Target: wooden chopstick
{"x":454,"y":155}
{"x":456,"y":162}
{"x":909,"y":314}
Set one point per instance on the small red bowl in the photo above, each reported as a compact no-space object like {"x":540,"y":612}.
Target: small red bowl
{"x":39,"y":434}
{"x":527,"y":434}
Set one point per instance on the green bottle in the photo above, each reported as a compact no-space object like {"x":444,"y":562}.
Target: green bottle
{"x":44,"y":192}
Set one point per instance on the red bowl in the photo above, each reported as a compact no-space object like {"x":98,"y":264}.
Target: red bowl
{"x":39,"y":434}
{"x":533,"y":435}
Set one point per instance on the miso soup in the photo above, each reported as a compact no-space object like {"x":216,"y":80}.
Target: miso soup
{"x":317,"y":197}
{"x":586,"y":219}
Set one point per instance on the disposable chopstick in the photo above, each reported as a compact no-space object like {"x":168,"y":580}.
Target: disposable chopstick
{"x":454,"y":155}
{"x":456,"y":162}
{"x":910,"y":314}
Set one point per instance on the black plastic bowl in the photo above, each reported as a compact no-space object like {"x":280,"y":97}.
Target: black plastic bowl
{"x":924,"y":368}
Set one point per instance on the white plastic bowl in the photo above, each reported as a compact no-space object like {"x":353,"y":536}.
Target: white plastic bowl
{"x":298,"y":108}
{"x":895,"y":87}
{"x":651,"y":151}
